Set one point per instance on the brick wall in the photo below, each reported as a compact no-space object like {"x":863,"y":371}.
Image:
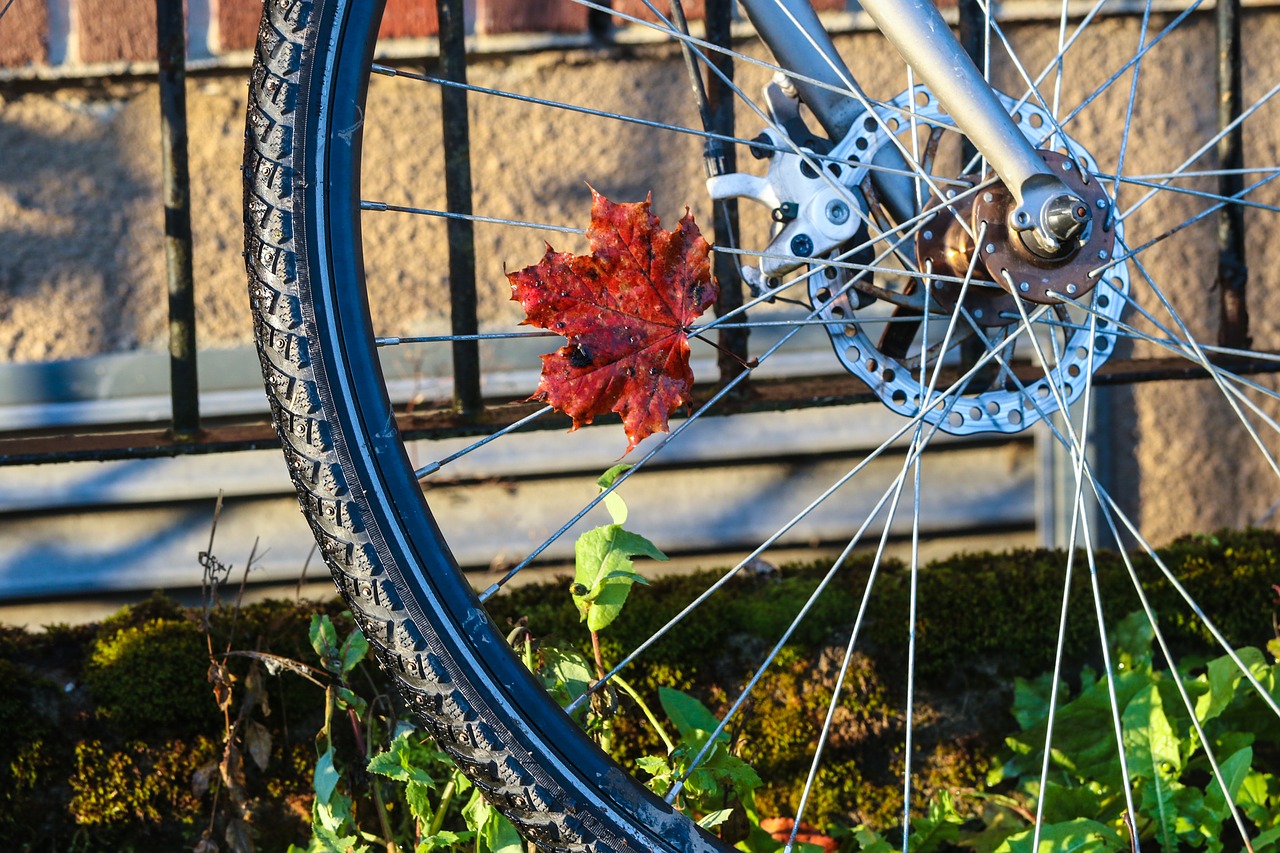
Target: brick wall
{"x":70,"y":33}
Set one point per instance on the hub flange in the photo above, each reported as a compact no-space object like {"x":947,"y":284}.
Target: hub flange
{"x":1029,"y":274}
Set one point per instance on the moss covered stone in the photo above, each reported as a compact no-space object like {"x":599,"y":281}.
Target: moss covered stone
{"x":138,"y":786}
{"x":153,"y":678}
{"x":105,"y":726}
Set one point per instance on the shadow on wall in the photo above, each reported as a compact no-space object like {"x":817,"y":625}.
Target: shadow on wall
{"x":79,"y":225}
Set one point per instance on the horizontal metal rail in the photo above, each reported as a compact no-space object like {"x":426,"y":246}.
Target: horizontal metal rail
{"x":443,"y":421}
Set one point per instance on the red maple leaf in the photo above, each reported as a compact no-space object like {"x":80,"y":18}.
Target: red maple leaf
{"x":626,"y":309}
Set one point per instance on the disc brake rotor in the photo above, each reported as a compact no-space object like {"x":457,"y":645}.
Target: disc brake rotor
{"x":1074,"y":314}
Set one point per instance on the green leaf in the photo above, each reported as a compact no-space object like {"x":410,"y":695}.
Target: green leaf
{"x":1149,"y":739}
{"x":603,"y":568}
{"x":1267,"y":842}
{"x":870,"y":842}
{"x":1083,"y":738}
{"x":495,"y":832}
{"x":1065,"y":803}
{"x":654,"y":765}
{"x":1255,"y":797}
{"x":353,"y":650}
{"x":1152,"y":747}
{"x":1075,"y":836}
{"x":418,"y":797}
{"x":613,"y":501}
{"x":1132,"y":640}
{"x":324,"y":639}
{"x":444,"y":840}
{"x":1235,"y":769}
{"x":499,"y":836}
{"x":325,"y":778}
{"x":688,"y":714}
{"x":1031,"y":699}
{"x":348,"y":698}
{"x":939,"y":827}
{"x":714,"y":819}
{"x":1222,"y":676}
{"x":565,"y":673}
{"x":324,"y":840}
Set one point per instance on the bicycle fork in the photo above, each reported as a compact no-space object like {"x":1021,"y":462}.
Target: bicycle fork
{"x":1045,"y":209}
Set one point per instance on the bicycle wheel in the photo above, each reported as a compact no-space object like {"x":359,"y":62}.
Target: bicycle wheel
{"x":926,"y":301}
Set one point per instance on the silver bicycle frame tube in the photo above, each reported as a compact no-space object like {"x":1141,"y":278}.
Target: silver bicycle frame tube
{"x":792,"y":31}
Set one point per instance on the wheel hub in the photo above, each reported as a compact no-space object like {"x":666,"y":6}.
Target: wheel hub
{"x":1014,"y":261}
{"x":944,"y":247}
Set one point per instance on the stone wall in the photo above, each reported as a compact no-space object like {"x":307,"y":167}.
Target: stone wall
{"x":81,"y":273}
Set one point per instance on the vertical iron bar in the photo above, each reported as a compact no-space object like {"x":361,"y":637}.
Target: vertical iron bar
{"x":457,"y":181}
{"x":600,"y":22}
{"x":972,"y":34}
{"x":184,"y":388}
{"x":720,"y":100}
{"x":1233,"y":274}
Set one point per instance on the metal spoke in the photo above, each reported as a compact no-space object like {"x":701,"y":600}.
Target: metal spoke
{"x":1165,"y":187}
{"x":1131,"y":253}
{"x":918,"y":443}
{"x":1192,"y":604}
{"x":383,"y":207}
{"x":1176,"y":677}
{"x":1204,"y":362}
{"x":890,"y":496}
{"x":1059,"y":63}
{"x":637,"y":120}
{"x":432,"y":467}
{"x":1078,"y":518}
{"x":1128,"y":113}
{"x":825,"y":734}
{"x":1113,"y":510}
{"x":435,"y":339}
{"x":1199,"y":152}
{"x":1181,"y":348}
{"x":1106,"y":84}
{"x":1077,"y":450}
{"x":1189,"y":174}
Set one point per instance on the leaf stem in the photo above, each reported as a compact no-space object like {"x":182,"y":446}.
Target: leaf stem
{"x":595,"y":647}
{"x":653,"y":720}
{"x":446,"y":798}
{"x":747,"y":365}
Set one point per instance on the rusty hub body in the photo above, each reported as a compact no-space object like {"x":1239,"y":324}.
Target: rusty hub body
{"x":1009,"y":259}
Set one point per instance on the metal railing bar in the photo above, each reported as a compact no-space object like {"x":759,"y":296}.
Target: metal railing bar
{"x":183,"y":373}
{"x":461,"y":231}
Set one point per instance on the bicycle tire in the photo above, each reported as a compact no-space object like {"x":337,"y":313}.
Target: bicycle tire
{"x":421,"y":617}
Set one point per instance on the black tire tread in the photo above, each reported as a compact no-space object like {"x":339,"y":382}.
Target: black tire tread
{"x":475,"y":737}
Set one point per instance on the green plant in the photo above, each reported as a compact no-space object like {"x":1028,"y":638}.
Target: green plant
{"x":1178,"y":800}
{"x":699,"y":765}
{"x":393,"y":777}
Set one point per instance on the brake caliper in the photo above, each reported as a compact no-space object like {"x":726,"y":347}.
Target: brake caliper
{"x":809,"y":190}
